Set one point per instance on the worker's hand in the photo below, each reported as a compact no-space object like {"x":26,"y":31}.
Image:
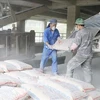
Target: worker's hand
{"x":73,"y":47}
{"x":50,"y":46}
{"x":69,"y":49}
{"x":59,"y":40}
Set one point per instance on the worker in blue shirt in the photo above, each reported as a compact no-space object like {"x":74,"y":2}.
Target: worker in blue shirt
{"x":51,"y":35}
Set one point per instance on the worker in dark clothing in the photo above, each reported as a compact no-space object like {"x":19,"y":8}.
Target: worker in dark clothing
{"x":83,"y":44}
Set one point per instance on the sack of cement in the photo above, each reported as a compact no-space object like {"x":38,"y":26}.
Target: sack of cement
{"x":35,"y":73}
{"x":82,"y":86}
{"x":22,"y":77}
{"x":42,"y":93}
{"x":64,"y":45}
{"x":67,"y":90}
{"x":20,"y":65}
{"x":13,"y":93}
{"x":7,"y":67}
{"x":6,"y":80}
{"x":94,"y":95}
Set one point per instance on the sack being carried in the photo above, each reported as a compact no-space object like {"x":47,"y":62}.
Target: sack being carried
{"x":63,"y":45}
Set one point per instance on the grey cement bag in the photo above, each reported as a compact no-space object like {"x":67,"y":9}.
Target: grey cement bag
{"x":64,"y":45}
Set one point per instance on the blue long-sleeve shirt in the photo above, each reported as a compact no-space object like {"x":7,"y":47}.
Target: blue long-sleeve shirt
{"x":50,"y":37}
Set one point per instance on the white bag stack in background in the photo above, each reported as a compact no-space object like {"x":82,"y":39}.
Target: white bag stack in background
{"x":13,"y":93}
{"x":20,"y":65}
{"x":64,"y":45}
{"x":24,"y":78}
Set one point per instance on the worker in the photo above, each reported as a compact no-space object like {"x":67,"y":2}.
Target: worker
{"x":14,"y":28}
{"x":51,"y":35}
{"x":83,"y":44}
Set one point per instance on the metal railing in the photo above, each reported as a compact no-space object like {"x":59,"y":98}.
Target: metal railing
{"x":16,"y":44}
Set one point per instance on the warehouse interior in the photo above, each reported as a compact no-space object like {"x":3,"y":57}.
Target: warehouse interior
{"x":31,"y":17}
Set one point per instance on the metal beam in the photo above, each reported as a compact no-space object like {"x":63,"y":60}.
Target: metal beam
{"x":21,"y":3}
{"x":12,"y":12}
{"x":44,"y":2}
{"x":23,"y":15}
{"x":87,"y":2}
{"x":58,"y":6}
{"x":62,"y":16}
{"x":54,"y":14}
{"x":88,"y":11}
{"x":84,"y":16}
{"x":1,"y":9}
{"x":60,"y":1}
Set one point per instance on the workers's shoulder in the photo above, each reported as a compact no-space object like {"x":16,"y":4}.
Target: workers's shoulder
{"x":56,"y":30}
{"x":82,"y":32}
{"x":47,"y":29}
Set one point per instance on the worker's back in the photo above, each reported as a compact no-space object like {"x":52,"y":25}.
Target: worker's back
{"x":85,"y":45}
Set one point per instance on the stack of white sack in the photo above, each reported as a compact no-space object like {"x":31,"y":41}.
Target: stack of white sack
{"x":67,"y":90}
{"x":64,"y":45}
{"x":7,"y":67}
{"x":35,"y":73}
{"x":13,"y":93}
{"x":82,"y":86}
{"x":19,"y":65}
{"x":24,"y":78}
{"x":8,"y":81}
{"x":93,"y":95}
{"x":43,"y":93}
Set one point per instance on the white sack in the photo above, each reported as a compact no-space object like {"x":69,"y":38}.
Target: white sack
{"x":42,"y":93}
{"x":94,"y":95}
{"x":9,"y":81}
{"x":69,"y":92}
{"x":64,"y":45}
{"x":20,"y":65}
{"x":83,"y":86}
{"x":24,"y":78}
{"x":12,"y":93}
{"x":35,"y":73}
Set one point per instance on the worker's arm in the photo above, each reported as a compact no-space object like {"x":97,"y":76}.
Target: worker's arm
{"x":45,"y":38}
{"x":73,"y":47}
{"x":46,"y":41}
{"x":77,"y":41}
{"x":59,"y":38}
{"x":49,"y":46}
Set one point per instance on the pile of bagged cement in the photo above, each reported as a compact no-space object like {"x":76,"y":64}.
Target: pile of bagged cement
{"x":20,"y":81}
